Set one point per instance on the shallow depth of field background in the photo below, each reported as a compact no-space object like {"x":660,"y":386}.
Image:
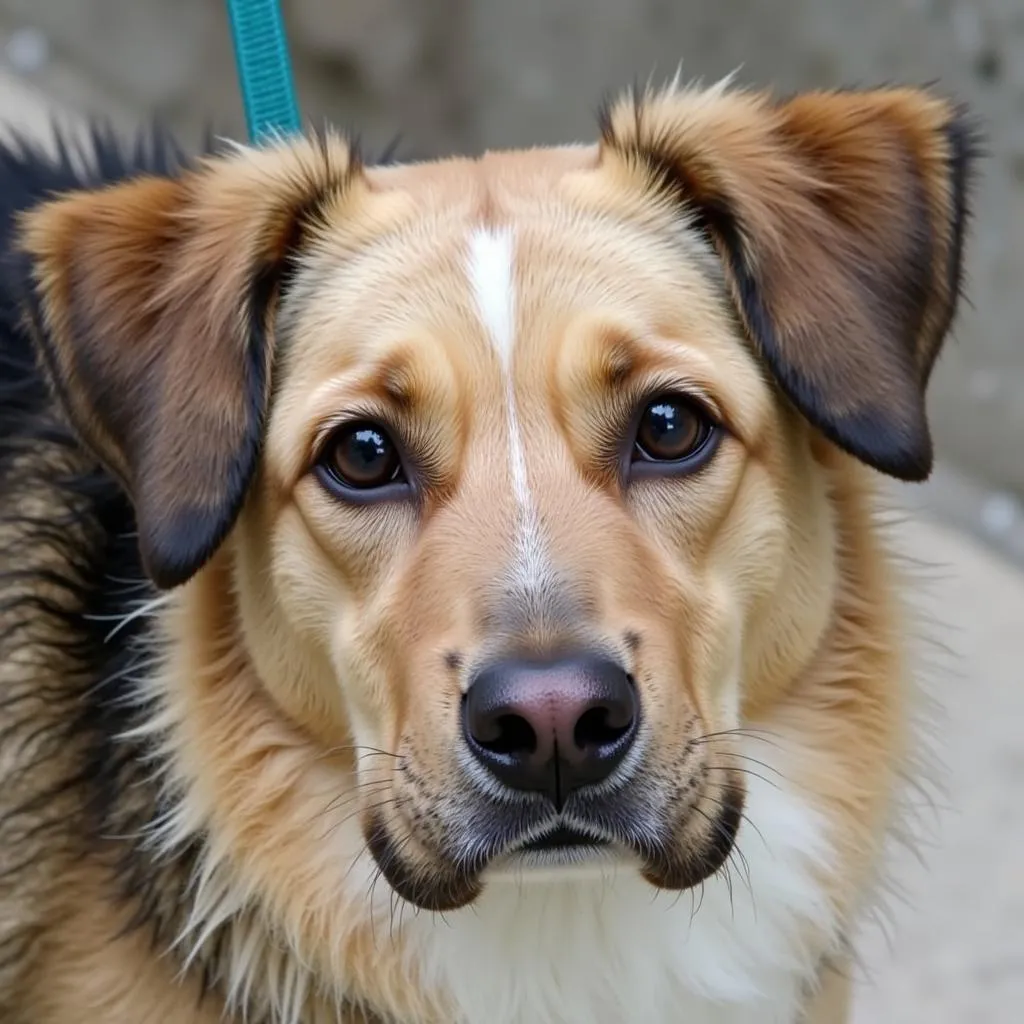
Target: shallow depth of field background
{"x":463,"y":75}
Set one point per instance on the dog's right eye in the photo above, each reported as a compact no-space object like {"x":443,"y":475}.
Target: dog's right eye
{"x":674,"y":437}
{"x":360,"y":461}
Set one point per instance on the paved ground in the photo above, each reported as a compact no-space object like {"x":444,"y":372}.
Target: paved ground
{"x":956,"y":948}
{"x":957,"y":942}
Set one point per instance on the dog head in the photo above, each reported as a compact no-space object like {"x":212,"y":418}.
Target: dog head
{"x":517,"y":469}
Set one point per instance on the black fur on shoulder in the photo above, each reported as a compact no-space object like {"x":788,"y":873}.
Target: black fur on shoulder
{"x":75,"y":632}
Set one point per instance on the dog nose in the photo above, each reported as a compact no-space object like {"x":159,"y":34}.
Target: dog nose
{"x":551,"y":727}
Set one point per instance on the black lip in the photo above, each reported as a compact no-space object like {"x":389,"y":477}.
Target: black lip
{"x":561,"y":838}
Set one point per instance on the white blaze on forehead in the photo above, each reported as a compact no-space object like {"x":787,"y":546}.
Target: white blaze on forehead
{"x":491,"y":258}
{"x":491,"y":275}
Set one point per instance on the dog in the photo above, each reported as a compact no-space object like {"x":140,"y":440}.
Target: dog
{"x":453,"y":591}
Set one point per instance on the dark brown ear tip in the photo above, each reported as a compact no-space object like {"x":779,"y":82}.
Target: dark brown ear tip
{"x":165,"y":576}
{"x":966,"y":139}
{"x":909,"y":467}
{"x":175,"y":547}
{"x":899,"y":450}
{"x":966,"y":133}
{"x":170,"y":568}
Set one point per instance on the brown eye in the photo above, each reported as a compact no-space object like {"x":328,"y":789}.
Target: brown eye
{"x":361,"y":457}
{"x":671,"y":430}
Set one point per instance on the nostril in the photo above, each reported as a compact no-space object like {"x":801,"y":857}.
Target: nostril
{"x":508,"y":735}
{"x":607,"y":722}
{"x":600,"y":727}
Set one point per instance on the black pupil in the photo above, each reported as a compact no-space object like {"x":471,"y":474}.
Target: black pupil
{"x":669,"y":430}
{"x":365,"y":457}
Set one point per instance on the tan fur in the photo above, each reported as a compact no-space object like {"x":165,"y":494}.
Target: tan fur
{"x":832,"y":1004}
{"x":320,"y":639}
{"x":101,"y":978}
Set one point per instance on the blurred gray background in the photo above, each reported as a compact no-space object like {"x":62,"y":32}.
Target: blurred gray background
{"x":461,"y":75}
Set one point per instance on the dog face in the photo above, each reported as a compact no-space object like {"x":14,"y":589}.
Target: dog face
{"x":542,"y":448}
{"x":518,"y":469}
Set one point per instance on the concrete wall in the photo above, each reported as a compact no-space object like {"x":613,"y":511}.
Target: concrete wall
{"x":465,"y":74}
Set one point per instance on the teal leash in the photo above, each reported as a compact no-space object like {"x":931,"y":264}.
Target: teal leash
{"x":264,"y":68}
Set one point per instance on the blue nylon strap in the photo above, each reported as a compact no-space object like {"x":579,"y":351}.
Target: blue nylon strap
{"x":264,"y":68}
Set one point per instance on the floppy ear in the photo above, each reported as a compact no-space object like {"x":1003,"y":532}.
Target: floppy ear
{"x":153,"y":314}
{"x":839,"y":218}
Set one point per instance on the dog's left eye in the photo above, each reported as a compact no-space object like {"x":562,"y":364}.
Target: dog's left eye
{"x":361,"y":460}
{"x":673,"y":431}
